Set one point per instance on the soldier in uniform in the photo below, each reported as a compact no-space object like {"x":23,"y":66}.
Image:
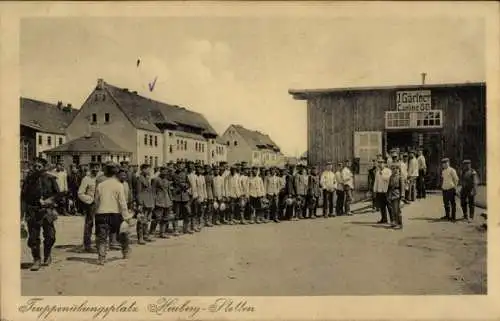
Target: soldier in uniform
{"x":39,"y":196}
{"x":449,"y":184}
{"x":313,"y":193}
{"x":162,"y":191}
{"x":202,"y":197}
{"x":255,"y":193}
{"x":233,"y":194}
{"x":182,"y":198}
{"x":395,"y":191}
{"x":218,"y":191}
{"x":348,"y":182}
{"x":245,"y":207}
{"x":145,"y":203}
{"x":469,"y":181}
{"x":301,"y":185}
{"x":209,"y":191}
{"x":290,"y":193}
{"x":86,"y":194}
{"x":273,"y":187}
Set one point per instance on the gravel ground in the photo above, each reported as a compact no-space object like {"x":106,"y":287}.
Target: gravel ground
{"x":336,"y":256}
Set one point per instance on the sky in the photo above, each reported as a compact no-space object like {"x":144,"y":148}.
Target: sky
{"x":239,"y":70}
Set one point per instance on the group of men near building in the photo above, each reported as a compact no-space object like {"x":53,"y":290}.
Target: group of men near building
{"x":400,"y":178}
{"x":114,"y":198}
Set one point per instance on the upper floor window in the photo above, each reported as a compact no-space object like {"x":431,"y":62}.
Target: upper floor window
{"x":94,"y":118}
{"x":60,"y":140}
{"x":202,"y":148}
{"x":156,"y":161}
{"x":106,"y":117}
{"x":145,"y":139}
{"x":235,"y":143}
{"x":150,"y":140}
{"x":145,"y":159}
{"x":228,"y":143}
{"x":170,"y":149}
{"x":196,"y":146}
{"x":185,"y":145}
{"x":170,"y":134}
{"x":156,"y":140}
{"x":40,"y":138}
{"x":49,"y":140}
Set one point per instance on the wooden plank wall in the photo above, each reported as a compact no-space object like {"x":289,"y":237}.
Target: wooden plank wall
{"x":332,"y":120}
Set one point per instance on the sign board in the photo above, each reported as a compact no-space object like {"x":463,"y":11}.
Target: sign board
{"x":418,"y":100}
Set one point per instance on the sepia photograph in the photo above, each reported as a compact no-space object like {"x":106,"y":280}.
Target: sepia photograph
{"x":245,"y":156}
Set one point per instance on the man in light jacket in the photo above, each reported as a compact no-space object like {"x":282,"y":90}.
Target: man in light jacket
{"x":86,"y":194}
{"x":413,"y":176}
{"x":348,"y":182}
{"x":328,"y":183}
{"x":449,"y":184}
{"x":380,"y":188}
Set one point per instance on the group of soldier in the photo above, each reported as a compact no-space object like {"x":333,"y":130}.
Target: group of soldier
{"x":117,"y":197}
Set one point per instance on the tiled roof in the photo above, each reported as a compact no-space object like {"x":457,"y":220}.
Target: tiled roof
{"x":256,"y":139}
{"x":189,"y":135}
{"x":96,"y":142}
{"x":45,"y":117}
{"x":145,"y":113}
{"x":220,"y":141}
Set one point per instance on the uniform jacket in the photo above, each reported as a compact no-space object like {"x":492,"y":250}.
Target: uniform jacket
{"x":382,"y":178}
{"x":256,"y":187}
{"x":39,"y":186}
{"x":233,"y":186}
{"x":313,"y":188}
{"x":162,"y":190}
{"x":86,"y":191}
{"x":469,"y":179}
{"x":193,"y":190}
{"x":371,"y":176}
{"x":347,"y":177}
{"x":290,"y":188}
{"x":209,"y":186}
{"x":144,"y":192}
{"x":273,"y":185}
{"x":329,"y":181}
{"x":395,"y":188}
{"x":201,"y":190}
{"x":219,"y":187}
{"x":181,"y":187}
{"x":301,"y":182}
{"x":244,"y":185}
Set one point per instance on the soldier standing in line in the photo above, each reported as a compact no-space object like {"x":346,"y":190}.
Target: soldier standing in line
{"x":328,"y":184}
{"x":245,"y":204}
{"x":233,"y":194}
{"x":273,"y":187}
{"x":110,"y":201}
{"x":394,"y":193}
{"x":210,"y":189}
{"x":193,"y":194}
{"x":86,"y":194}
{"x":265,"y":204}
{"x":202,"y":197}
{"x":183,"y":198}
{"x":470,"y":181}
{"x":371,"y":181}
{"x":449,"y":183}
{"x":145,"y":203}
{"x":254,"y":194}
{"x":290,"y":194}
{"x":218,"y":191}
{"x":339,"y":190}
{"x":404,"y":176}
{"x":412,"y":176}
{"x":301,"y":184}
{"x":313,"y":193}
{"x":161,"y":188}
{"x":39,"y":197}
{"x":348,"y":183}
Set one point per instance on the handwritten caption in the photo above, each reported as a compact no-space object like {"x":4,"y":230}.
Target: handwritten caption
{"x":36,"y":305}
{"x":220,"y":305}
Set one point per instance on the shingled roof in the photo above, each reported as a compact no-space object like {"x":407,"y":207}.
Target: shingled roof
{"x":256,"y":139}
{"x":146,"y":113}
{"x":45,"y":117}
{"x":96,"y":142}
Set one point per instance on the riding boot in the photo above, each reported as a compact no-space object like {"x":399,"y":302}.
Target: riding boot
{"x":140,"y":234}
{"x":47,"y":258}
{"x":35,"y":252}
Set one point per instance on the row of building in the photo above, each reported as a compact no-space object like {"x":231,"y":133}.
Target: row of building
{"x":118,"y":124}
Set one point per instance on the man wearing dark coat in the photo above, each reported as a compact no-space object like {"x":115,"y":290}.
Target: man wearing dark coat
{"x":182,"y":199}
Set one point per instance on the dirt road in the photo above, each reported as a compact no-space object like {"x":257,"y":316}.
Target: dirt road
{"x":337,"y":256}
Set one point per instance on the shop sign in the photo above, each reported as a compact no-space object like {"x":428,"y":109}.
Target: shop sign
{"x":418,"y":100}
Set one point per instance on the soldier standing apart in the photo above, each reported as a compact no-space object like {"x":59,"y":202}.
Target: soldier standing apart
{"x":469,"y":181}
{"x":39,"y":197}
{"x":348,"y":182}
{"x":395,"y":191}
{"x":145,"y":204}
{"x":110,"y":201}
{"x":371,"y":181}
{"x":313,"y":193}
{"x":86,"y":194}
{"x":210,"y":189}
{"x":449,"y":179}
{"x":413,"y":176}
{"x":328,"y":184}
{"x":301,"y":184}
{"x":380,"y":188}
{"x":422,"y":171}
{"x":161,"y":188}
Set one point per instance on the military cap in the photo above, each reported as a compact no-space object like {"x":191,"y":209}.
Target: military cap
{"x":412,"y":152}
{"x":445,"y":160}
{"x":405,"y":154}
{"x":466,"y":161}
{"x":124,"y":162}
{"x":40,"y":160}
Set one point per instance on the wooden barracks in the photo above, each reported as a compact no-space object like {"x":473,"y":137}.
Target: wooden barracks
{"x":446,"y":120}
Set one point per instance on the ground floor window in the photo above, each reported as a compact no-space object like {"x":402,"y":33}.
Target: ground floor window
{"x":413,"y":119}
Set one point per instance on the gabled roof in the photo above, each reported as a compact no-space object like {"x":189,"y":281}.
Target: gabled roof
{"x":45,"y":117}
{"x":145,"y":113}
{"x":96,"y":142}
{"x":220,"y":141}
{"x":256,"y":139}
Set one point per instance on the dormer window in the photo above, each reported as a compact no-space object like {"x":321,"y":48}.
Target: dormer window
{"x":235,"y":143}
{"x":106,"y":117}
{"x":94,"y":118}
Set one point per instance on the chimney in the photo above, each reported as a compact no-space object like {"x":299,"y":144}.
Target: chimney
{"x":423,"y":77}
{"x":59,"y":104}
{"x":100,"y":83}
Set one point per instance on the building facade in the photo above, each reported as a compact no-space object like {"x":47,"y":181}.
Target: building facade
{"x":447,"y":120}
{"x":154,"y":132}
{"x":251,"y":147}
{"x":42,"y":127}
